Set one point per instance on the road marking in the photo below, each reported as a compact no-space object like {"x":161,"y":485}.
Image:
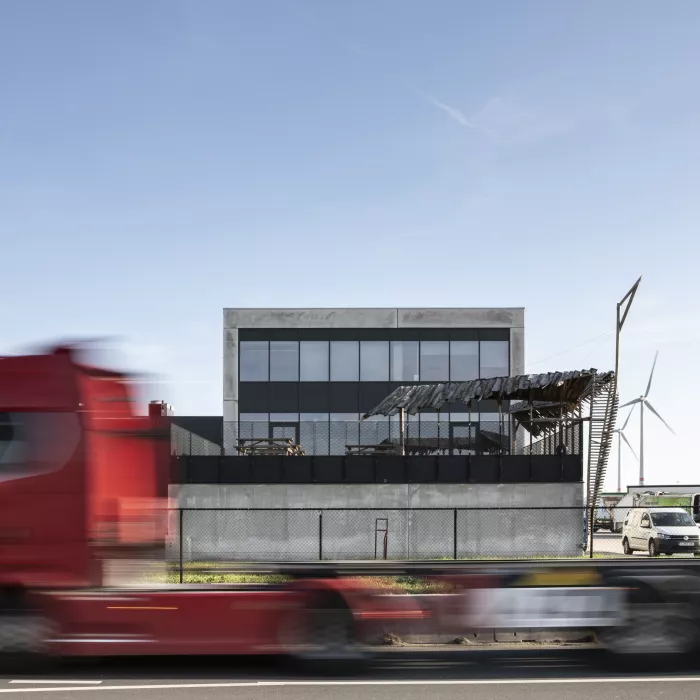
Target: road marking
{"x":265,"y":684}
{"x":547,"y":666}
{"x":39,"y":682}
{"x":141,"y":607}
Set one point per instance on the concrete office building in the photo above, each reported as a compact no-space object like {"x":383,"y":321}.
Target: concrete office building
{"x":309,"y":374}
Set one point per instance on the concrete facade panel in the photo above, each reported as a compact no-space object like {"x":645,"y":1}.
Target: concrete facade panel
{"x":460,"y":318}
{"x":310,"y":318}
{"x":517,"y":351}
{"x":230,"y":360}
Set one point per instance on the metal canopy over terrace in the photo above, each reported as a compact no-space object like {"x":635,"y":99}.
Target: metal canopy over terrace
{"x":545,"y":402}
{"x":548,"y":394}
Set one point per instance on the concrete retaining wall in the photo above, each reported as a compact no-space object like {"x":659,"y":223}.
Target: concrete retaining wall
{"x":505,"y":520}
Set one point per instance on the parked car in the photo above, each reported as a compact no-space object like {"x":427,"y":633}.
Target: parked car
{"x":660,"y":531}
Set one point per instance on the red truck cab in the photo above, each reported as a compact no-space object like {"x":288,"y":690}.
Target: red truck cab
{"x":81,"y":476}
{"x":83,"y":483}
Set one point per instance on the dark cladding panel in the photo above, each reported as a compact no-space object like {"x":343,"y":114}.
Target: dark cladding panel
{"x":372,"y":393}
{"x":203,"y":470}
{"x":284,"y":397}
{"x":236,"y":470}
{"x":254,"y":397}
{"x":314,"y":397}
{"x":484,"y":470}
{"x":464,"y":334}
{"x":572,"y":468}
{"x":515,"y":469}
{"x":546,"y":468}
{"x":297,"y":470}
{"x":344,"y":397}
{"x":494,"y":334}
{"x":453,"y":470}
{"x":359,"y":470}
{"x":328,"y":470}
{"x":267,"y":334}
{"x":391,"y":470}
{"x":421,"y":470}
{"x":268,"y":470}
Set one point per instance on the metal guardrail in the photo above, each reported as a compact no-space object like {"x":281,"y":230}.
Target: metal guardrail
{"x":337,"y":438}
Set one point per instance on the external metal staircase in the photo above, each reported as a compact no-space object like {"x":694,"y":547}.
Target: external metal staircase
{"x":604,"y":403}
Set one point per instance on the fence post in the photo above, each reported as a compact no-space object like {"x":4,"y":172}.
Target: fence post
{"x":181,"y":513}
{"x":320,"y":535}
{"x":591,"y":523}
{"x":454,"y":536}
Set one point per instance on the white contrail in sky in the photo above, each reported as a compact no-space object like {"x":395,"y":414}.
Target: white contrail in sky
{"x":453,"y":112}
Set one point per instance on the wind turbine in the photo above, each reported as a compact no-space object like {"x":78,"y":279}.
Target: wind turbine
{"x":620,"y":437}
{"x":644,"y":401}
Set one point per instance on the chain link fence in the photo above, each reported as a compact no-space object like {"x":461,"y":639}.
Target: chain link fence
{"x":221,"y":535}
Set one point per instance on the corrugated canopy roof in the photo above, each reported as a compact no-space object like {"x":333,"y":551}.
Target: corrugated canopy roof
{"x":563,"y":389}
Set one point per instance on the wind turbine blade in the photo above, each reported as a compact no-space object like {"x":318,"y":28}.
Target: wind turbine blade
{"x":630,"y":403}
{"x":651,"y":375}
{"x":656,"y":413}
{"x":627,"y":442}
{"x":628,"y":418}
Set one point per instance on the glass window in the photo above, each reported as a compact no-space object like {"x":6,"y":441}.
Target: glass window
{"x":345,"y":360}
{"x":253,"y":425}
{"x":253,"y":416}
{"x":284,"y":417}
{"x":374,"y":430}
{"x":434,"y":360}
{"x":314,"y":360}
{"x":463,"y":417}
{"x":342,"y":417}
{"x":404,"y":360}
{"x":494,"y":358}
{"x":313,"y":433}
{"x":672,"y":520}
{"x":493,"y":417}
{"x":284,"y":361}
{"x":254,"y":361}
{"x":464,"y":360}
{"x":344,"y":431}
{"x":374,"y":360}
{"x":314,"y":416}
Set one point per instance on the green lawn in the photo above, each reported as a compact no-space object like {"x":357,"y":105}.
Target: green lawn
{"x":209,"y":572}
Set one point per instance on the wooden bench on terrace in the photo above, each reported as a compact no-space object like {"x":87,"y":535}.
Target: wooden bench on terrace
{"x":383,"y":448}
{"x":285,"y":447}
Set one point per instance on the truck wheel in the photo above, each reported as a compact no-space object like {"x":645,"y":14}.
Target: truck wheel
{"x":626,"y":546}
{"x":653,"y":552}
{"x":23,"y":634}
{"x":322,"y":638}
{"x":655,"y":632}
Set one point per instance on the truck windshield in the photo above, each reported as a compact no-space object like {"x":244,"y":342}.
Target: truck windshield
{"x":671,"y":519}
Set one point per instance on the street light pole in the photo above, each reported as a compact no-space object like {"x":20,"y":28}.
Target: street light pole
{"x":626,"y":302}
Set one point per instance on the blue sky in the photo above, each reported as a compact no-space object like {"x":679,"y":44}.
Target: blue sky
{"x":162,"y":159}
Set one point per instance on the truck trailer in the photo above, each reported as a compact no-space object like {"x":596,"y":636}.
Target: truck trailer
{"x":83,"y":494}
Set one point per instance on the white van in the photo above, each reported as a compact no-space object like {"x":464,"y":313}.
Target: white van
{"x":660,"y":531}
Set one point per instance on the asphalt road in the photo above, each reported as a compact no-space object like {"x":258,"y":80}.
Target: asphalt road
{"x":609,"y":543}
{"x":513,"y":673}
